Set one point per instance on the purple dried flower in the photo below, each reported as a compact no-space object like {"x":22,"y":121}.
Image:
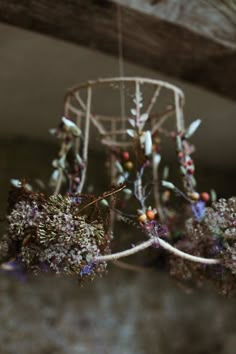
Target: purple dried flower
{"x":87,"y":269}
{"x":153,"y":229}
{"x":76,"y":200}
{"x":156,"y":230}
{"x":16,"y":268}
{"x":198,"y":210}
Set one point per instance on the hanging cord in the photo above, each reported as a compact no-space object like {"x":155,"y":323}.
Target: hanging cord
{"x":121,"y":65}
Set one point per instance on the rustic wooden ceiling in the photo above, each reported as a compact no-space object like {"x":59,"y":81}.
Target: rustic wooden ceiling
{"x":187,"y":39}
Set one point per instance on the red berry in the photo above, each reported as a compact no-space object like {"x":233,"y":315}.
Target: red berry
{"x":190,"y":171}
{"x":125,"y":155}
{"x":205,"y":196}
{"x":190,"y":162}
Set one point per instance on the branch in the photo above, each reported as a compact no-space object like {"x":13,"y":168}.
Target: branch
{"x":186,"y":256}
{"x":126,"y":253}
{"x":163,"y":244}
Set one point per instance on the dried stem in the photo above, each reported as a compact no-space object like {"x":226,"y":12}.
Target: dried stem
{"x":153,"y":99}
{"x":126,"y":253}
{"x":105,"y":195}
{"x":156,"y":194}
{"x":94,"y":118}
{"x":163,"y":244}
{"x":59,"y":182}
{"x":161,"y":119}
{"x":138,"y":190}
{"x":179,"y":114}
{"x":130,"y":267}
{"x":86,"y":137}
{"x":186,"y":256}
{"x":137,"y":98}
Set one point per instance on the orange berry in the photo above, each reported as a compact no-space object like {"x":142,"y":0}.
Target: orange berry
{"x":150,"y":214}
{"x":205,"y":196}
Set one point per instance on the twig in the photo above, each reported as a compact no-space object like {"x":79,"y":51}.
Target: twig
{"x":59,"y":182}
{"x":130,"y":267}
{"x":92,"y":117}
{"x":153,"y":99}
{"x":137,"y":98}
{"x":86,"y":138}
{"x":156,"y":194}
{"x":179,"y":114}
{"x":161,"y":119}
{"x":102,"y":197}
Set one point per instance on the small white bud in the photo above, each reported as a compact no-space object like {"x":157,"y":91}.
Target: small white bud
{"x":148,"y":143}
{"x":192,"y":128}
{"x":15,"y":183}
{"x":104,"y":202}
{"x":71,"y":126}
{"x":156,"y":160}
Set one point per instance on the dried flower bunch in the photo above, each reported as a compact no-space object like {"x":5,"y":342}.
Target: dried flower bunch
{"x":212,"y":237}
{"x":59,"y":234}
{"x":69,"y":232}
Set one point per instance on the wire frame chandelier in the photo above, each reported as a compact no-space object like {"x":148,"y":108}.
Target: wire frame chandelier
{"x":139,"y":97}
{"x":71,"y":230}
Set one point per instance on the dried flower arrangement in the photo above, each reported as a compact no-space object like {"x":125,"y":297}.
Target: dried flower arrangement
{"x":69,"y":232}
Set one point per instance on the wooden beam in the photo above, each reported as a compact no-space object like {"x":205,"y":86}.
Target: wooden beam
{"x":148,"y":40}
{"x":213,"y":19}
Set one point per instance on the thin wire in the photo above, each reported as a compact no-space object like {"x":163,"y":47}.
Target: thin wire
{"x":121,"y":64}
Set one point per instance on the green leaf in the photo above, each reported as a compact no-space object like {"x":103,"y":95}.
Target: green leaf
{"x":168,"y":184}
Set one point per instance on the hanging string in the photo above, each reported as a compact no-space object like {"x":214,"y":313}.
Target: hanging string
{"x":121,"y":65}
